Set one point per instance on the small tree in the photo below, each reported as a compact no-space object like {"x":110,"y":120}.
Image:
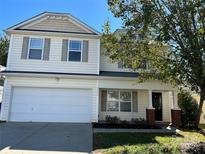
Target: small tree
{"x":172,"y":41}
{"x":189,"y":109}
{"x":4,"y":46}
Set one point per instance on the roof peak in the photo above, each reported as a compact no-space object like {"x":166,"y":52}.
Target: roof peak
{"x":45,"y":13}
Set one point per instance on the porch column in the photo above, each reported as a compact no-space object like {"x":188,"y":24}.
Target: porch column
{"x":150,"y":111}
{"x":175,"y":110}
{"x":175,"y":101}
{"x":150,"y":99}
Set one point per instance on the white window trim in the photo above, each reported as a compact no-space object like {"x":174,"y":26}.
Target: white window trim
{"x":119,"y":91}
{"x":29,"y":47}
{"x":81,"y":51}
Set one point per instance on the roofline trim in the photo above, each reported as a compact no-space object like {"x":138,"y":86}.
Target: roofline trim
{"x":53,"y":31}
{"x":26,"y":21}
{"x":102,"y":74}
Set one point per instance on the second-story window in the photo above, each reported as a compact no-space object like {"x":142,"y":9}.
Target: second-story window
{"x":35,"y":48}
{"x":75,"y":50}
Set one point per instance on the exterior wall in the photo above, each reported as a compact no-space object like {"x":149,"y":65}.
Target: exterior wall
{"x":166,"y":107}
{"x":120,"y":83}
{"x":54,"y":64}
{"x":1,"y":93}
{"x":142,"y":89}
{"x":107,"y":65}
{"x":47,"y":82}
{"x":55,"y":24}
{"x":142,"y":105}
{"x":95,"y":85}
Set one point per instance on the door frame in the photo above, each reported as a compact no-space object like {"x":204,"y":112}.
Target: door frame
{"x":162,"y":104}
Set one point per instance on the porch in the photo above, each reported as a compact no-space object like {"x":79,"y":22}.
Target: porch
{"x":154,"y":106}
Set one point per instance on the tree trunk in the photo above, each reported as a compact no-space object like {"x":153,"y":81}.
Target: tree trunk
{"x":200,"y":109}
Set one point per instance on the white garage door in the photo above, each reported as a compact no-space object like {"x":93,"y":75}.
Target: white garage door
{"x":51,"y":105}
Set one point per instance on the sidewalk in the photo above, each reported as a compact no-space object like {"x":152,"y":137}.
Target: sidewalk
{"x":167,"y":129}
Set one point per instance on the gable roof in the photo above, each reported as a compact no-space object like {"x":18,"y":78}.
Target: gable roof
{"x":59,"y":22}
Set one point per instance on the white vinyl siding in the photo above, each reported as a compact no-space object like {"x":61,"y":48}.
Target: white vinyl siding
{"x":142,"y":102}
{"x":94,"y":85}
{"x":1,"y":93}
{"x":166,"y":107}
{"x":55,"y":25}
{"x":107,"y":65}
{"x":142,"y":97}
{"x":54,"y":64}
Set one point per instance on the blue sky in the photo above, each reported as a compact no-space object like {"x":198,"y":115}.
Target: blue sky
{"x":92,"y":12}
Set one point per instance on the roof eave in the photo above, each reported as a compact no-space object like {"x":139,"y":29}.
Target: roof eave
{"x":64,"y":34}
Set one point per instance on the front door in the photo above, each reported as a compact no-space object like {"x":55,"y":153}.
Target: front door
{"x":157,"y":104}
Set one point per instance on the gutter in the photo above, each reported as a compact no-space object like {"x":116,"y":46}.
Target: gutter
{"x":51,"y":33}
{"x":102,"y":75}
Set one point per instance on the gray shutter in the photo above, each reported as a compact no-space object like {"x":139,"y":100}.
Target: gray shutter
{"x":46,"y":50}
{"x":120,"y":64}
{"x":25,"y":46}
{"x":85,"y":51}
{"x":103,"y":100}
{"x":134,"y":102}
{"x":64,"y":54}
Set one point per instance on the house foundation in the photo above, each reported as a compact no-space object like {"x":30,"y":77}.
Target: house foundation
{"x":150,"y":116}
{"x":176,"y":117}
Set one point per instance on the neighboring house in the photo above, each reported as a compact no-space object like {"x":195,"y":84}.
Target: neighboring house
{"x":56,"y":72}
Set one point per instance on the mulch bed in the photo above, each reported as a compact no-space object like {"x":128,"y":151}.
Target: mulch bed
{"x":126,"y":126}
{"x":202,"y":132}
{"x":193,"y":148}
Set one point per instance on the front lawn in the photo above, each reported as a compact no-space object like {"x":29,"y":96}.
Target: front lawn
{"x":114,"y":143}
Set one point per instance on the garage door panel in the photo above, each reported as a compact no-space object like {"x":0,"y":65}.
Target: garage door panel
{"x":52,"y":109}
{"x":24,"y":105}
{"x":58,"y":118}
{"x":51,"y":105}
{"x":54,"y":101}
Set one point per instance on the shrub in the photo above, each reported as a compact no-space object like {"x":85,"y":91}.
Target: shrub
{"x":138,"y":121}
{"x":124,"y":122}
{"x":112,"y":120}
{"x":189,"y":109}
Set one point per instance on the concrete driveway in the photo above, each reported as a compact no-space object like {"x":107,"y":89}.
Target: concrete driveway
{"x":45,"y":137}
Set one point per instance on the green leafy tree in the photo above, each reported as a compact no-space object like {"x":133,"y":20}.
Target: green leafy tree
{"x":189,"y":107}
{"x":171,"y":39}
{"x":4,"y":45}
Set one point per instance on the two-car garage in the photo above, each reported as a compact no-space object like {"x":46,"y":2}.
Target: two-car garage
{"x":51,"y":105}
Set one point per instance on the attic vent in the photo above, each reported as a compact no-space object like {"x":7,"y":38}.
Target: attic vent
{"x":58,"y":17}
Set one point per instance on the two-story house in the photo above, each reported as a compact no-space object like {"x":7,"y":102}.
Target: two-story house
{"x":57,"y":72}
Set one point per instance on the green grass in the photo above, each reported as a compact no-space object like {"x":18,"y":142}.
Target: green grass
{"x":115,"y":143}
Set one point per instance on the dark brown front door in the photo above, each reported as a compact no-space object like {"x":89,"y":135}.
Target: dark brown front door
{"x":157,"y":104}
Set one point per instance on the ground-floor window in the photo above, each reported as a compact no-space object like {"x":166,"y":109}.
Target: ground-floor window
{"x":119,"y":101}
